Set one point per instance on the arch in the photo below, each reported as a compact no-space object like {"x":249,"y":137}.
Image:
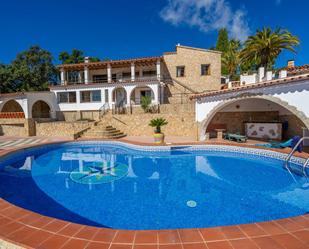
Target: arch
{"x":138,"y":92}
{"x":12,"y":106}
{"x":40,"y":109}
{"x":119,"y":96}
{"x":219,"y":107}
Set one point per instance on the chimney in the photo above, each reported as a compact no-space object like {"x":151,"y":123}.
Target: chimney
{"x":261,"y":74}
{"x":291,"y":63}
{"x":86,"y":59}
{"x":283,"y":74}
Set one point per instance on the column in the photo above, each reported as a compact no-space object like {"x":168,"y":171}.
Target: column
{"x":86,"y":74}
{"x":62,"y":76}
{"x":162,"y":93}
{"x":158,"y":67}
{"x":109,"y":73}
{"x":132,"y":71}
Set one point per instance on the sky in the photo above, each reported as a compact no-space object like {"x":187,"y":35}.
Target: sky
{"x":121,"y":29}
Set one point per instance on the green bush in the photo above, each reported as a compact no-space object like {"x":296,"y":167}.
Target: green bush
{"x":145,"y":103}
{"x":158,"y":123}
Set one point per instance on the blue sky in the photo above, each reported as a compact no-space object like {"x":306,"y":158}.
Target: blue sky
{"x":125,"y":29}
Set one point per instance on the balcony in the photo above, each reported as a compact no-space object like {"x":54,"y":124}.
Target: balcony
{"x":113,"y":81}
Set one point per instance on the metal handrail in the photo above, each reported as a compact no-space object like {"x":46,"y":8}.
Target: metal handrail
{"x":103,"y":109}
{"x":293,"y":151}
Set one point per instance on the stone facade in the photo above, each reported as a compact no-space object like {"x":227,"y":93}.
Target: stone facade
{"x":61,"y":129}
{"x":192,"y":59}
{"x":138,"y":125}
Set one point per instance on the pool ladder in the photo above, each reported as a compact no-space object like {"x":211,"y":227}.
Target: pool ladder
{"x":291,"y":154}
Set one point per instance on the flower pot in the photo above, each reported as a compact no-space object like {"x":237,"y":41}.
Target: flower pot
{"x":158,"y":138}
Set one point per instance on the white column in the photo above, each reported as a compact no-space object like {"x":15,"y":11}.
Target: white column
{"x":86,"y":74}
{"x":62,"y":76}
{"x":110,"y":96}
{"x":129,"y":90}
{"x":79,"y":77}
{"x":158,"y":67}
{"x":109,"y":73}
{"x":132,"y":71}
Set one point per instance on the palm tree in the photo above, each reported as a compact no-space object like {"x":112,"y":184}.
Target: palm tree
{"x":230,"y":59}
{"x":266,"y":45}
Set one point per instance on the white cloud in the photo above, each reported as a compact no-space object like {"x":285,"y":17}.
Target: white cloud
{"x":207,"y":16}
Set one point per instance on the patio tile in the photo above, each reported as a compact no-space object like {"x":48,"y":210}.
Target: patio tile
{"x":243,"y":244}
{"x":29,"y":218}
{"x":195,"y":246}
{"x":42,"y":222}
{"x":118,"y":246}
{"x":124,"y":236}
{"x":168,"y":236}
{"x":252,"y":230}
{"x":190,"y":235}
{"x":146,"y":237}
{"x":104,"y":235}
{"x":36,"y":238}
{"x":211,"y":234}
{"x":232,"y":232}
{"x":86,"y":233}
{"x":301,"y":220}
{"x":10,"y":228}
{"x":21,"y":234}
{"x":288,"y":225}
{"x":289,"y":242}
{"x":267,"y":243}
{"x":219,"y":245}
{"x":75,"y":244}
{"x":145,"y":247}
{"x":55,"y":241}
{"x":302,"y":235}
{"x":55,"y":226}
{"x":178,"y":246}
{"x":96,"y":245}
{"x":271,"y":228}
{"x":70,"y":229}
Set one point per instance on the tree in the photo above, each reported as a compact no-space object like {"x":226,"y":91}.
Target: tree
{"x":266,"y":45}
{"x":77,"y":56}
{"x":32,"y":70}
{"x":223,"y":46}
{"x":4,"y":79}
{"x":230,"y":59}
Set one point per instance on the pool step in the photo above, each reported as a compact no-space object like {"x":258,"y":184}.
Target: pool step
{"x":104,"y":132}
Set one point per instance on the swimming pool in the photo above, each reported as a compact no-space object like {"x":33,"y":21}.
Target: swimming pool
{"x":115,"y":185}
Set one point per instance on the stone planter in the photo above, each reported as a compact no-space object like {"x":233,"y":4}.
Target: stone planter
{"x":158,"y":138}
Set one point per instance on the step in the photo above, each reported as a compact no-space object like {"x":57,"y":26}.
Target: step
{"x":103,"y":133}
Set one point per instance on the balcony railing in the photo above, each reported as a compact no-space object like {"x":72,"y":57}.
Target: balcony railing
{"x":113,"y":81}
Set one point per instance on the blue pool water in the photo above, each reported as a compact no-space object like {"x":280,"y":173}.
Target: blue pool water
{"x":119,"y":187}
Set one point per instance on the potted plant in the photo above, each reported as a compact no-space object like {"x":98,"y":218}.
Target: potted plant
{"x":158,"y":135}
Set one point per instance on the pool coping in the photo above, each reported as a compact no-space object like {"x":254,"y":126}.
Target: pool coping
{"x":31,"y":230}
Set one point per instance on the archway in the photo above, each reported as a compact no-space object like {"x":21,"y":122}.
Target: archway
{"x":139,"y":92}
{"x":12,"y":109}
{"x":119,"y":97}
{"x":40,"y":109}
{"x":234,"y":115}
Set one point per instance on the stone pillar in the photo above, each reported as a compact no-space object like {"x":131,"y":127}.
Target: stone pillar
{"x":158,"y":67}
{"x":132,"y":71}
{"x":109,"y":73}
{"x":29,"y":125}
{"x":162,"y":93}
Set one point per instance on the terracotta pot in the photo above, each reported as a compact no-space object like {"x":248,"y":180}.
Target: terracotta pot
{"x":158,"y":138}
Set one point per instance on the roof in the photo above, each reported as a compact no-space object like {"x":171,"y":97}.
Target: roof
{"x":100,"y":64}
{"x":253,"y":86}
{"x":298,"y":69}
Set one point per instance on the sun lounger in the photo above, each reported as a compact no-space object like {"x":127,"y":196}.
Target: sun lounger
{"x":289,"y":143}
{"x":235,"y":137}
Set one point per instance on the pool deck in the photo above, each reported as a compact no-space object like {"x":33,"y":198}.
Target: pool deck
{"x":27,"y":229}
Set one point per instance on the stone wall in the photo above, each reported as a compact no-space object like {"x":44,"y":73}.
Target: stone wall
{"x":61,"y":128}
{"x":295,"y":126}
{"x":192,"y":59}
{"x":138,"y":125}
{"x":234,"y":121}
{"x":15,"y":130}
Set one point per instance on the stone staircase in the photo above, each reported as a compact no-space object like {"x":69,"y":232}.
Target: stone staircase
{"x":103,"y":131}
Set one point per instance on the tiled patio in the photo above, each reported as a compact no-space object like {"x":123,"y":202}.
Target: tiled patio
{"x":31,"y":230}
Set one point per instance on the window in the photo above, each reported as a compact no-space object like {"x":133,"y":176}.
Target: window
{"x":66,"y":97}
{"x":205,"y":69}
{"x":99,"y":78}
{"x":126,"y":75}
{"x":149,"y":73}
{"x":90,"y":96}
{"x":180,"y":71}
